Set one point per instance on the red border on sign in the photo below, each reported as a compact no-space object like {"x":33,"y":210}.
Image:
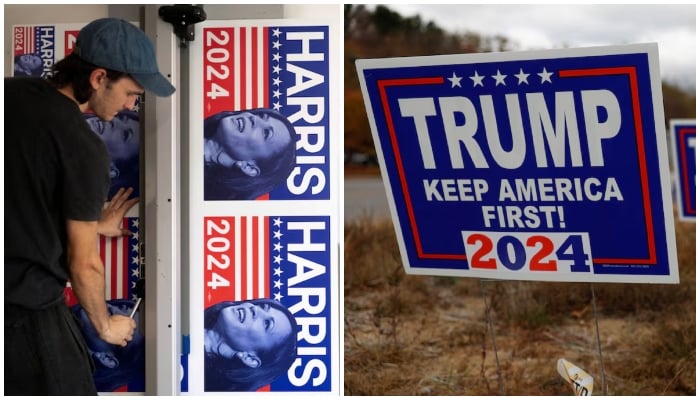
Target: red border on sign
{"x":383,"y":84}
{"x":631,"y":72}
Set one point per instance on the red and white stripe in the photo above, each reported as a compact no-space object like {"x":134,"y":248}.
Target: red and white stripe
{"x":251,"y":258}
{"x":236,"y":59}
{"x":250,"y":68}
{"x":236,"y":259}
{"x":115,"y":254}
{"x":24,"y":42}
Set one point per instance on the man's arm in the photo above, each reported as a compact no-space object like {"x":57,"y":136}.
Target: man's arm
{"x":88,"y":283}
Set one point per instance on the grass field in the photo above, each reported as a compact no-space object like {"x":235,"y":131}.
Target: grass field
{"x":423,"y":335}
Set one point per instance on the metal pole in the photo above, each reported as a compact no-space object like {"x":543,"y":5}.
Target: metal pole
{"x":600,"y":351}
{"x":162,"y":218}
{"x":501,"y":387}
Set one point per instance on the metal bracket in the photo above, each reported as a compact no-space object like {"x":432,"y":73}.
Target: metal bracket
{"x":183,"y":17}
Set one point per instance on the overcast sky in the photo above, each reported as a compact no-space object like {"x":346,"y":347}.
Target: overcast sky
{"x":555,"y":26}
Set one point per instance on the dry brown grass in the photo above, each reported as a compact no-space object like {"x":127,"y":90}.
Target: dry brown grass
{"x":423,"y":335}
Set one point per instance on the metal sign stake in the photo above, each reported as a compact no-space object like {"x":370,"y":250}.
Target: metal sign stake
{"x":600,"y":351}
{"x":493,"y":338}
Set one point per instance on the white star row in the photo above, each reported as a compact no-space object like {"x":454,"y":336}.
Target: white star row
{"x":276,"y":69}
{"x":278,"y":258}
{"x":499,"y":78}
{"x":137,"y":260}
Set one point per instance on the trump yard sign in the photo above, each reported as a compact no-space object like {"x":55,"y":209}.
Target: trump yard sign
{"x":545,"y":165}
{"x":684,"y":159}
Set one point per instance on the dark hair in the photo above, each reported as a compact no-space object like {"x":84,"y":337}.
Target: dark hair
{"x":74,"y":72}
{"x":231,"y":375}
{"x":222,"y":183}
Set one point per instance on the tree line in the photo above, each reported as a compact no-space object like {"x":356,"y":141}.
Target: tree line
{"x":382,"y":32}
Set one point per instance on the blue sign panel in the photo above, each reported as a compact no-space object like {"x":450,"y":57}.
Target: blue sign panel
{"x":683,"y":139}
{"x":548,"y":165}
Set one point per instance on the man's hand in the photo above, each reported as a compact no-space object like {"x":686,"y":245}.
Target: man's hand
{"x":113,"y":214}
{"x":120,"y":330}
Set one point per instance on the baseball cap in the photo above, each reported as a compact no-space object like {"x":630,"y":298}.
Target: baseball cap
{"x":118,"y":45}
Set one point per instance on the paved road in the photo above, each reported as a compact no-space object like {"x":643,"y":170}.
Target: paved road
{"x":365,"y":197}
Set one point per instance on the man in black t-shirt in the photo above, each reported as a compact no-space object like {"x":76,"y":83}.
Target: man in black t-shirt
{"x":56,"y":183}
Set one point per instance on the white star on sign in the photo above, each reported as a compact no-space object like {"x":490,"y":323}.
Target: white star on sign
{"x":500,"y":78}
{"x":477,"y":79}
{"x":522,"y":77}
{"x":456,"y":80}
{"x":276,"y":32}
{"x":546,"y":76}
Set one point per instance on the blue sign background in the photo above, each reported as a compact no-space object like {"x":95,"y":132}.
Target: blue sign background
{"x":312,"y":179}
{"x":628,"y":234}
{"x":313,"y":366}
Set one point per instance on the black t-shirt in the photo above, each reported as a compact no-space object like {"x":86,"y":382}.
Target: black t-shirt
{"x":56,"y":169}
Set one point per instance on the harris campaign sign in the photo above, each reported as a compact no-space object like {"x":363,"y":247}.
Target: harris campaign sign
{"x":34,"y":49}
{"x":544,"y":165}
{"x":286,"y":259}
{"x":258,"y":73}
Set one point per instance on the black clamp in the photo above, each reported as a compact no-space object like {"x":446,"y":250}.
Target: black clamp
{"x":183,"y":17}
